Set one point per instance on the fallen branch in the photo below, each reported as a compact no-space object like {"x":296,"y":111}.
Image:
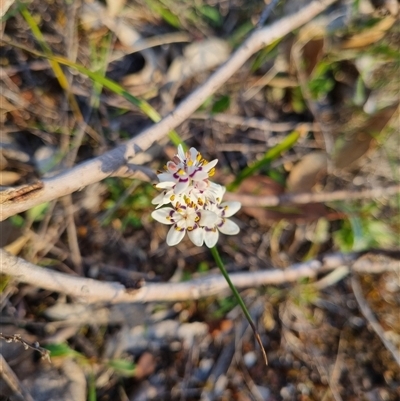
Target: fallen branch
{"x":252,"y":122}
{"x":105,"y":165}
{"x":309,"y":197}
{"x":90,"y":290}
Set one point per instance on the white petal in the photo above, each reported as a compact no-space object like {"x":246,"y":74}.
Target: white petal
{"x":218,"y":191}
{"x":166,"y":200}
{"x":211,"y":237}
{"x":196,"y":236}
{"x":193,"y":153}
{"x":163,"y":215}
{"x":210,"y":165}
{"x":166,"y":177}
{"x":229,"y":228}
{"x":199,"y":175}
{"x":208,"y":218}
{"x":158,"y":199}
{"x":166,"y":184}
{"x":181,"y":153}
{"x":201,"y":185}
{"x":175,"y":236}
{"x":181,"y":186}
{"x":231,"y":208}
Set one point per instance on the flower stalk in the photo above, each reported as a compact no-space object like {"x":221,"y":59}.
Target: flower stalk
{"x":221,"y":266}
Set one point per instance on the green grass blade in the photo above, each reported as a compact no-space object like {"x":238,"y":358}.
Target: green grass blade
{"x":269,"y":156}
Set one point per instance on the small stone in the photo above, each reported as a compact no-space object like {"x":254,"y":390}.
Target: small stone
{"x":288,"y":392}
{"x":250,"y":359}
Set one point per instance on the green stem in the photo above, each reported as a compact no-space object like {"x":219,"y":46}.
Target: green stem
{"x":220,"y":264}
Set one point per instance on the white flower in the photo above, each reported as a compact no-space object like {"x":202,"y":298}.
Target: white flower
{"x":185,"y":170}
{"x":222,"y":223}
{"x":195,"y":200}
{"x":185,"y":218}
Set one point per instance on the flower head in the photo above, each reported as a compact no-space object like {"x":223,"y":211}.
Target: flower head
{"x":196,"y":207}
{"x":186,"y":170}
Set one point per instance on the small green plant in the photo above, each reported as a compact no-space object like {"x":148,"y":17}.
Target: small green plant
{"x":120,"y":367}
{"x":165,"y":12}
{"x":211,"y":15}
{"x":364,"y":228}
{"x":224,"y":305}
{"x":322,"y":81}
{"x":221,"y":104}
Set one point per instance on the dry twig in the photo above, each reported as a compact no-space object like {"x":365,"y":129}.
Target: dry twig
{"x":311,"y":197}
{"x":89,"y":290}
{"x":253,"y":122}
{"x":104,"y":166}
{"x":18,"y":339}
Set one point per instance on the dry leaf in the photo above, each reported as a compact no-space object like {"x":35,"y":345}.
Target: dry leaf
{"x":361,"y":141}
{"x":307,"y":172}
{"x":4,"y":6}
{"x":9,"y":177}
{"x":312,"y":54}
{"x":145,"y":366}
